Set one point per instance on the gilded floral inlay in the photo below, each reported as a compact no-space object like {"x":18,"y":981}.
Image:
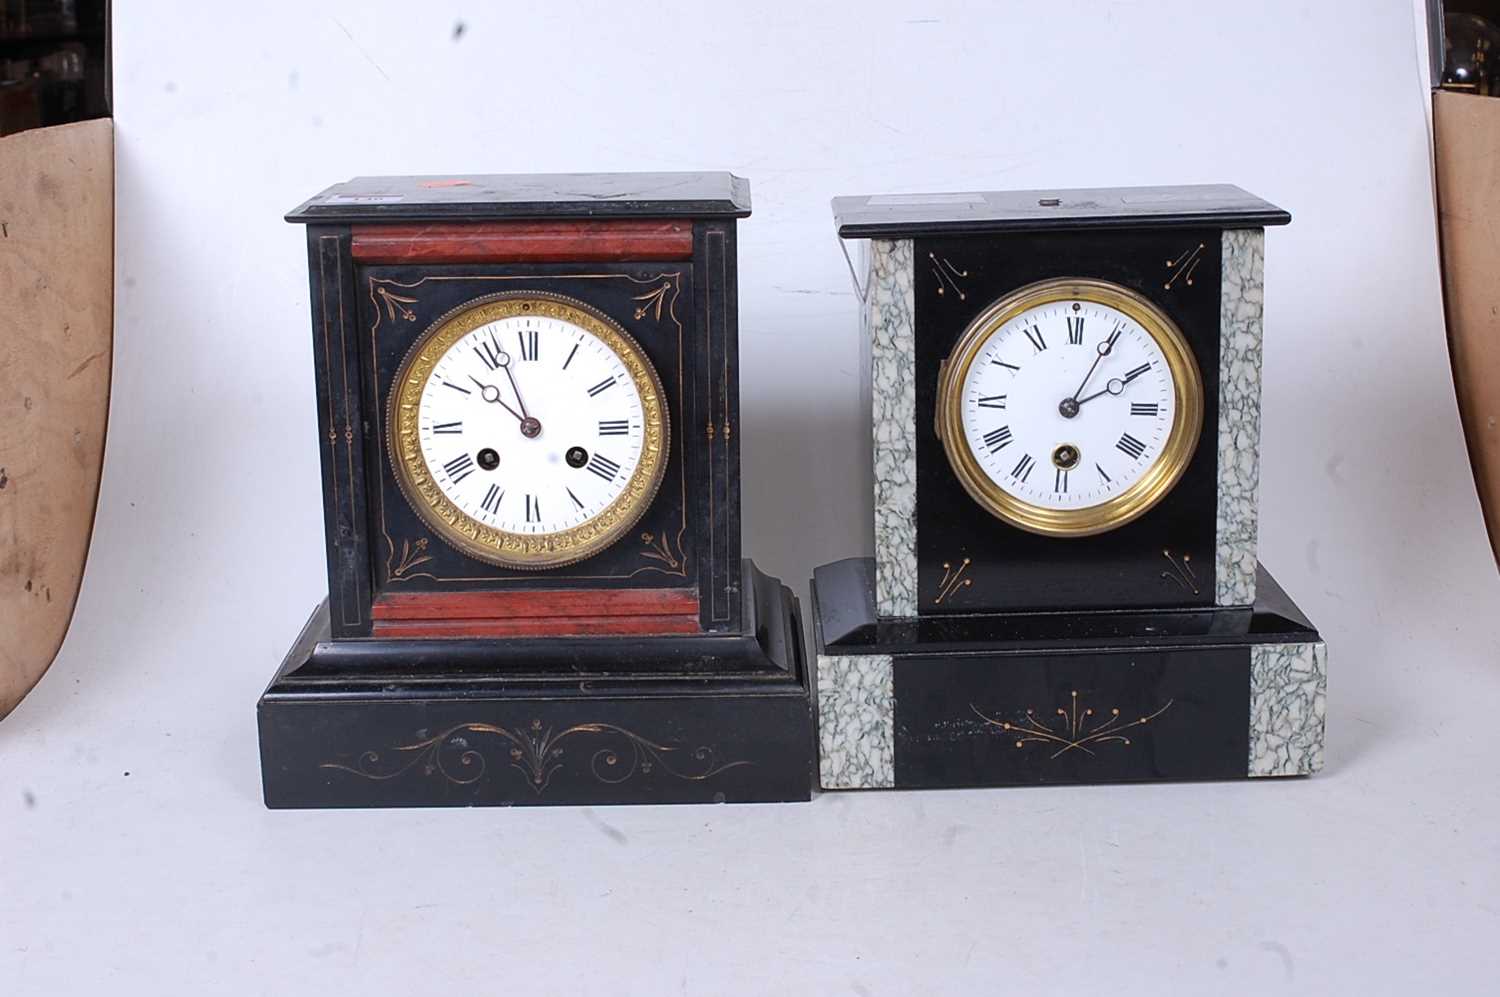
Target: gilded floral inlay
{"x":395,"y":304}
{"x":537,"y":753}
{"x":1072,"y":729}
{"x":653,"y":302}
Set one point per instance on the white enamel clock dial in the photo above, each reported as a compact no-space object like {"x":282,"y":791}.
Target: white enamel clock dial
{"x":1074,"y":407}
{"x":529,"y":431}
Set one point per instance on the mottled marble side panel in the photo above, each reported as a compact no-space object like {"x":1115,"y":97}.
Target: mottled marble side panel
{"x":856,"y":722}
{"x":1240,"y":307}
{"x":889,"y":324}
{"x":1288,"y":701}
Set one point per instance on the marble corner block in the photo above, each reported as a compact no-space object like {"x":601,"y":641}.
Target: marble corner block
{"x":1241,"y":295}
{"x":1288,"y":704}
{"x":889,"y":326}
{"x":856,"y":722}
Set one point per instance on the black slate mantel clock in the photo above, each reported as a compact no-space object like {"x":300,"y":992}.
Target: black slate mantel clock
{"x":1065,"y":394}
{"x":528,"y":419}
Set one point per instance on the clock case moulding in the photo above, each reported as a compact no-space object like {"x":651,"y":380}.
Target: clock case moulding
{"x":968,"y":652}
{"x":663,"y":669}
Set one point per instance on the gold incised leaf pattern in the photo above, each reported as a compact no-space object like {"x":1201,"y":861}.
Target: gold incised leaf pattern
{"x":1076,"y":728}
{"x":536,"y":751}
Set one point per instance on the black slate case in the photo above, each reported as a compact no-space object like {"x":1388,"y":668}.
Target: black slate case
{"x":1064,"y":660}
{"x":722,"y":714}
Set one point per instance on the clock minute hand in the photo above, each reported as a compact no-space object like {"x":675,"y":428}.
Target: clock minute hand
{"x":516,"y":388}
{"x":1102,"y":350}
{"x":1092,"y":367}
{"x":531,"y":427}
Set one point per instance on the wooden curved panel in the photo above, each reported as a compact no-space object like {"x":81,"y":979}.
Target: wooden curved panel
{"x":1466,"y":130}
{"x":56,"y":340}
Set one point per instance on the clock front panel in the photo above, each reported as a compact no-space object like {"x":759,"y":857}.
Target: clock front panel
{"x":530,"y":426}
{"x":1068,"y":460}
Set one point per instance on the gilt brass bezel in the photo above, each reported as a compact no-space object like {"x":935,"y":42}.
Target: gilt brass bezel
{"x":1150,"y":488}
{"x":526,"y":551}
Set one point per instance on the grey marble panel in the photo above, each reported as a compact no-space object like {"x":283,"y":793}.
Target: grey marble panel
{"x":1240,"y":310}
{"x":856,"y":725}
{"x":889,"y":324}
{"x":1288,"y":702}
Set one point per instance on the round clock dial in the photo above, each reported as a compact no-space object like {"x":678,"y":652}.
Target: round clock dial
{"x":528,"y":430}
{"x":1070,"y":407}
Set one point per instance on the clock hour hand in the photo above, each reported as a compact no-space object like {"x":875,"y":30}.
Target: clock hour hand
{"x":1114,"y":387}
{"x":1116,"y":384}
{"x":490,"y":393}
{"x":531,"y":428}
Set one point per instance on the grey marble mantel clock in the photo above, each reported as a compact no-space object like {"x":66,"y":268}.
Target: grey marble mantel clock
{"x":1065,"y":395}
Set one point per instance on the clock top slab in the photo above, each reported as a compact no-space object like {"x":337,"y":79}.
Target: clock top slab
{"x":902,"y":216}
{"x":478,"y":197}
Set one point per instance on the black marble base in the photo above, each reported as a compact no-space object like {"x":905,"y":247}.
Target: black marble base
{"x":603,"y":720}
{"x":1026,"y":698}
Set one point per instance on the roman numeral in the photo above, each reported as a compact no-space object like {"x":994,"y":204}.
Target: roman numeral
{"x":1137,"y":372}
{"x":613,"y":427}
{"x":533,"y":509}
{"x":604,"y":467}
{"x":1023,"y":467}
{"x":459,"y":468}
{"x":1132,"y":446}
{"x":1035,"y":335}
{"x":608,"y":382}
{"x":573,"y":497}
{"x":1075,"y":330}
{"x":528,"y":343}
{"x":1060,"y":484}
{"x":997,"y":439}
{"x":1143,"y":408}
{"x":1107,"y":478}
{"x":489,"y":352}
{"x":457,"y":388}
{"x":570,"y":356}
{"x":992,"y":401}
{"x":491,"y":501}
{"x":448,"y":427}
{"x":1002,"y":363}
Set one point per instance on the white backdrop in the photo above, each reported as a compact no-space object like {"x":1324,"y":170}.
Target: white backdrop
{"x":133,"y":846}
